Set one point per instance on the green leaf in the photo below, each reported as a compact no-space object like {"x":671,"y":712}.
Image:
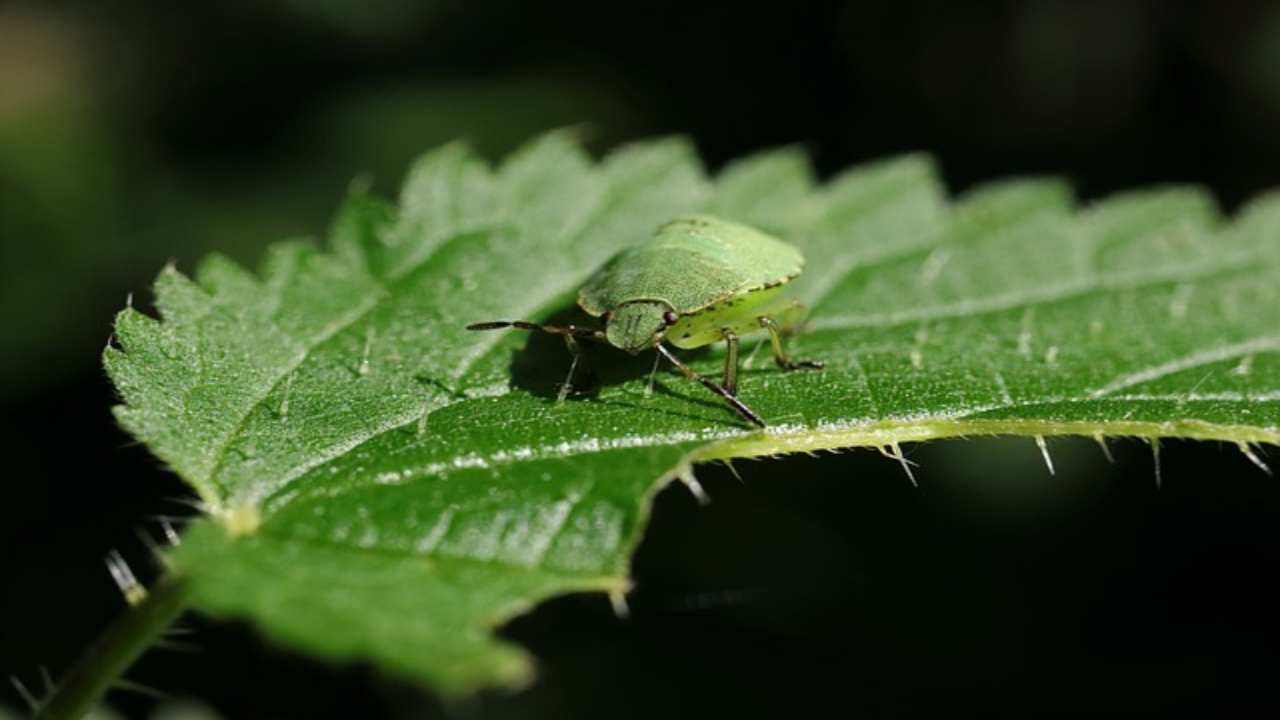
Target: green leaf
{"x":383,"y":484}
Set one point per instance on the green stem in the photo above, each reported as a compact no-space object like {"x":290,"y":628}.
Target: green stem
{"x":103,"y":664}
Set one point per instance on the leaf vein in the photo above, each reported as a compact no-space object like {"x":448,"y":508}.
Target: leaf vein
{"x":1013,"y":301}
{"x":1188,"y":362}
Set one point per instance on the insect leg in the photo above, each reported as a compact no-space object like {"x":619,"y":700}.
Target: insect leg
{"x":571,"y":333}
{"x":790,"y":317}
{"x":576,"y":352}
{"x":731,"y":362}
{"x":689,"y":372}
{"x":648,"y":389}
{"x":779,"y":354}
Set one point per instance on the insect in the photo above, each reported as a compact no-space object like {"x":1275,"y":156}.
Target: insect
{"x":697,"y":281}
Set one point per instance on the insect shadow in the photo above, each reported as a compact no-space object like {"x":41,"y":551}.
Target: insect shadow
{"x":541,"y":368}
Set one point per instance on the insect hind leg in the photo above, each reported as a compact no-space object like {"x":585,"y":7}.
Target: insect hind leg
{"x":780,"y":353}
{"x":790,"y":317}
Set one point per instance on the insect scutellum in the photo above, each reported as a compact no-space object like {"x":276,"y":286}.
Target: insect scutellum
{"x":696,"y":281}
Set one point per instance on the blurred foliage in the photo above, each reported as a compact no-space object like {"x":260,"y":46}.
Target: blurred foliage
{"x":59,"y":190}
{"x":168,"y":710}
{"x":371,"y":19}
{"x":89,"y":201}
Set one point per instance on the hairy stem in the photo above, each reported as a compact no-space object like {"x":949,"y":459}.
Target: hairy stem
{"x":107,"y":659}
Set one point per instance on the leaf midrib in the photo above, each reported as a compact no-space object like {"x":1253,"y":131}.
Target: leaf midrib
{"x":1262,"y":344}
{"x":274,"y":536}
{"x":782,"y":432}
{"x":1102,"y":284}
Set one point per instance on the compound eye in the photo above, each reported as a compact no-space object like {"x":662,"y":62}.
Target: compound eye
{"x":670,"y":318}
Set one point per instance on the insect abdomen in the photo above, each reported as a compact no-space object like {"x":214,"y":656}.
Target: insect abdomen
{"x":739,"y":314}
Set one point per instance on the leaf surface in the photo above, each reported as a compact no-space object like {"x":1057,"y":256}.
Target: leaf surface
{"x":383,"y":484}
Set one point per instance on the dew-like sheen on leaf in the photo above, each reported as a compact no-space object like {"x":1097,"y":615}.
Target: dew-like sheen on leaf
{"x":383,"y":485}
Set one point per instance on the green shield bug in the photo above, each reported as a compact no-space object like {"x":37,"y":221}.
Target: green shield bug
{"x":698,"y":280}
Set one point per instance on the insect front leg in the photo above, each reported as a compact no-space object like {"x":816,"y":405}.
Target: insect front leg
{"x":731,"y":362}
{"x":780,"y":354}
{"x":570,"y":333}
{"x":733,"y":401}
{"x":575,"y":350}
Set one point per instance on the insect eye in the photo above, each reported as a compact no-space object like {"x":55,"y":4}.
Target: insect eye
{"x":670,"y":318}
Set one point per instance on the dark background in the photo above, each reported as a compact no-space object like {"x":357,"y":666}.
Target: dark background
{"x":133,"y":133}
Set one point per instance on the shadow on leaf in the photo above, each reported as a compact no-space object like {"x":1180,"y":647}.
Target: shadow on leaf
{"x":541,"y":368}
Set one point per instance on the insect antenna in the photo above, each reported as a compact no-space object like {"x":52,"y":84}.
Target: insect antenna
{"x":571,"y":330}
{"x":568,"y":332}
